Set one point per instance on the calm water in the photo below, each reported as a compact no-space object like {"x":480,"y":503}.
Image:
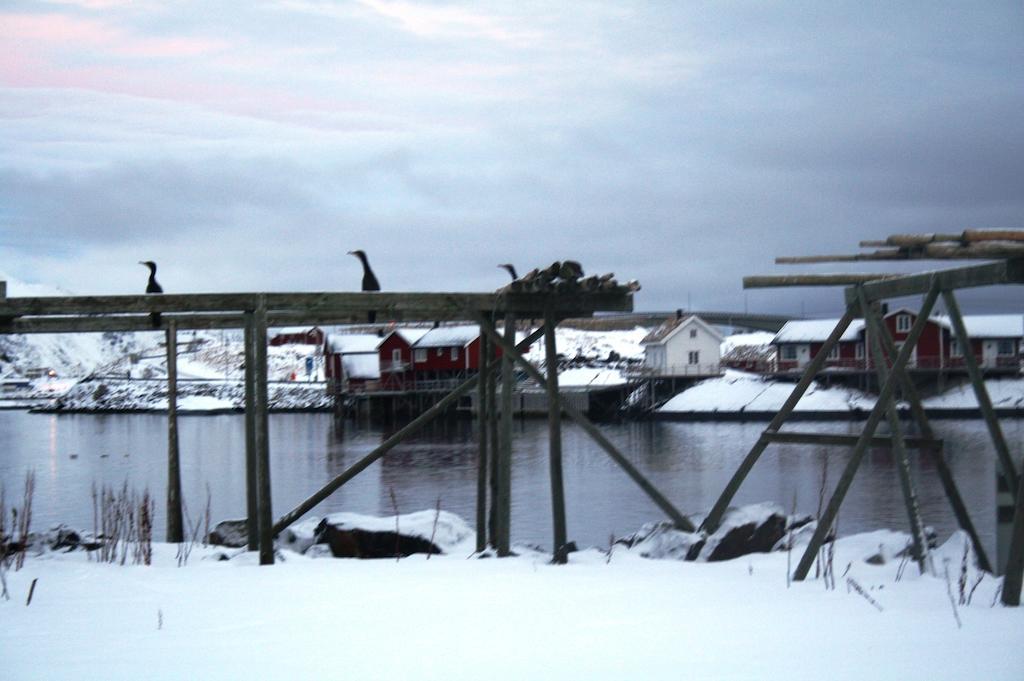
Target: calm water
{"x":689,"y":462}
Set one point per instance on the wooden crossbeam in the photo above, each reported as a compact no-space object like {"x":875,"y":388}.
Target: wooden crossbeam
{"x":989,"y":274}
{"x":985,"y":250}
{"x":399,"y":306}
{"x":841,"y":279}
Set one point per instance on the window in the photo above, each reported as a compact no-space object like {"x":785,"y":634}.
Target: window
{"x":860,"y":350}
{"x":396,"y":356}
{"x":693,"y":333}
{"x":788,"y":352}
{"x":834,"y":352}
{"x":694,"y":357}
{"x":420,"y":355}
{"x":1006,"y":347}
{"x":902,"y":323}
{"x":455,"y":354}
{"x":954,"y":348}
{"x":440,"y":352}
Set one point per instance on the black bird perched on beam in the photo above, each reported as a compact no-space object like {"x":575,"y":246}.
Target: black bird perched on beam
{"x":370,"y":282}
{"x":511,"y":270}
{"x":153,"y":286}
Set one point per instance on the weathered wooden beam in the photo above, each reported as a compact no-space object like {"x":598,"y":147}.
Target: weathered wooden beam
{"x":781,"y":280}
{"x":483,"y":455}
{"x":405,"y":431}
{"x":264,"y":513}
{"x":892,"y":254}
{"x":985,"y":250}
{"x":906,"y":240}
{"x":504,"y":463}
{"x":988,"y":274}
{"x":404,"y":306}
{"x":251,"y":475}
{"x":662,"y":502}
{"x":842,"y":440}
{"x":846,"y":478}
{"x":980,"y":391}
{"x":175,"y":526}
{"x":975,"y":235}
{"x":714,"y":516}
{"x":1013,"y":575}
{"x":559,"y":549}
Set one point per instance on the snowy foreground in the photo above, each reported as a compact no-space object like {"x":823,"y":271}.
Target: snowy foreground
{"x":451,"y":617}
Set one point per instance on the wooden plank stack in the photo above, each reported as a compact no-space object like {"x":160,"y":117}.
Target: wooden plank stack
{"x":971,"y":244}
{"x":566,"y":277}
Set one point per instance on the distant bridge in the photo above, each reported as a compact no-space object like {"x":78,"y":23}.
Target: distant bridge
{"x":759,"y":322}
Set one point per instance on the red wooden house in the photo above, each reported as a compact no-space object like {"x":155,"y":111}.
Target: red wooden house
{"x":299,"y":336}
{"x":995,"y":341}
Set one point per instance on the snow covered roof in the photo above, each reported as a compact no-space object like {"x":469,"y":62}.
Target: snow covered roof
{"x":978,"y":326}
{"x":661,"y":334}
{"x":354,"y":342}
{"x":292,"y":330}
{"x":362,"y":365}
{"x":989,"y":325}
{"x":411,"y":334}
{"x":448,"y":336}
{"x":816,"y":330}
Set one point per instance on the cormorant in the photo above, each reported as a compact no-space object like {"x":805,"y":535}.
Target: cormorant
{"x":152,"y":287}
{"x":370,"y":282}
{"x":511,"y":270}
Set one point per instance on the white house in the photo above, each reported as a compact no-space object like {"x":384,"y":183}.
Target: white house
{"x":684,"y":346}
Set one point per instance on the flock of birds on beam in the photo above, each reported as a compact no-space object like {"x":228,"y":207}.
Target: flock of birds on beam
{"x":561,"y":277}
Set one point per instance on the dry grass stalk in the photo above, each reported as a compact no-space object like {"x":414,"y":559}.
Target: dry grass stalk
{"x":433,"y":531}
{"x":852,"y":583}
{"x":949,"y":591}
{"x":398,"y":536}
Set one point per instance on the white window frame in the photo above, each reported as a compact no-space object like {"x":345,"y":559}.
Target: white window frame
{"x":693,"y":357}
{"x":833,"y":354}
{"x":455,"y":354}
{"x":440,"y":352}
{"x":1007,"y":343}
{"x":396,"y":355}
{"x":419,"y":355}
{"x":903,"y":323}
{"x":789,"y":352}
{"x":954,"y":348}
{"x":859,"y":351}
{"x":693,"y":333}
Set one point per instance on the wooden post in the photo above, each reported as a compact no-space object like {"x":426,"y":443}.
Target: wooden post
{"x":920,"y":543}
{"x":978,"y":381}
{"x":175,"y":526}
{"x":1013,"y":577}
{"x":555,"y":441}
{"x":251,"y":476}
{"x":714,"y":517}
{"x":264,"y":515}
{"x":493,"y":435}
{"x":680,"y":521}
{"x":949,"y":486}
{"x":505,"y":447}
{"x":481,"y":419}
{"x":885,"y":394}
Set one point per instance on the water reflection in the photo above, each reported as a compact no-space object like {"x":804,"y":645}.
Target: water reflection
{"x":689,"y":462}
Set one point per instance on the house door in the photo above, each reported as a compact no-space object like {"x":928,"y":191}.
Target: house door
{"x":803,"y":355}
{"x":989,"y":352}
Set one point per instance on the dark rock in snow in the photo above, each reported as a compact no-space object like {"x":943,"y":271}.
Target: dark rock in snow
{"x":354,"y":542}
{"x":231,"y":533}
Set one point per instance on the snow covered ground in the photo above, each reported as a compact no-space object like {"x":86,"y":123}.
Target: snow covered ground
{"x":739,"y":391}
{"x":454,"y":617}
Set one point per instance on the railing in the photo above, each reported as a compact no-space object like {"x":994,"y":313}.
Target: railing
{"x":925,"y":362}
{"x":715,"y":369}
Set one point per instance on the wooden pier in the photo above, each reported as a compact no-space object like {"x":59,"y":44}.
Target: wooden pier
{"x":255,"y":312}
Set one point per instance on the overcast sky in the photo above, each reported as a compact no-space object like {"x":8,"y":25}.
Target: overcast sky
{"x":250,"y":145}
